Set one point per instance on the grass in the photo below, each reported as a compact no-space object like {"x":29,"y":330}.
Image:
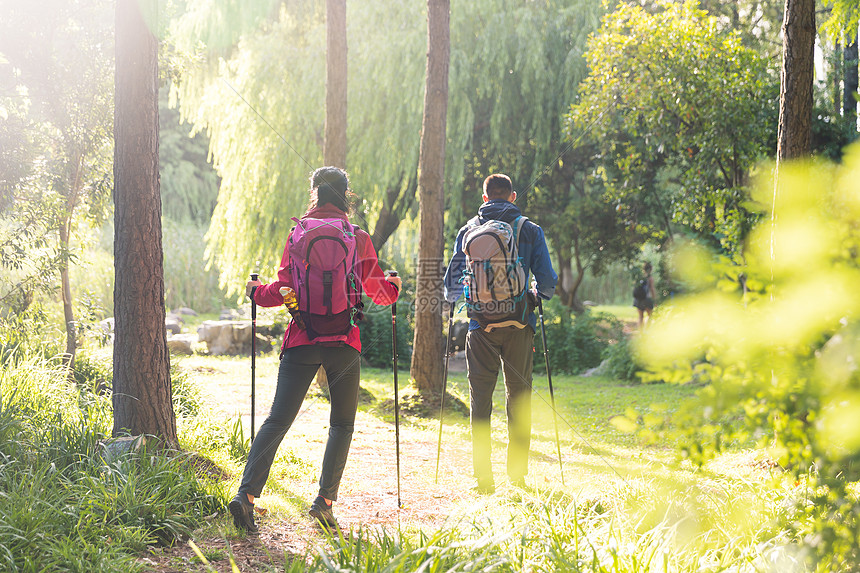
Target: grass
{"x":65,"y":505}
{"x":623,"y":312}
{"x":624,"y":507}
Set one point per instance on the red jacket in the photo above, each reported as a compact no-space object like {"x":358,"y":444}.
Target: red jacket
{"x":373,"y":281}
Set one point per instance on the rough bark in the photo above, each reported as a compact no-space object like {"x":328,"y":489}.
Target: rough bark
{"x":142,"y":394}
{"x":849,"y":102}
{"x":795,"y":101}
{"x":427,"y":343}
{"x":334,"y":144}
{"x":334,"y":148}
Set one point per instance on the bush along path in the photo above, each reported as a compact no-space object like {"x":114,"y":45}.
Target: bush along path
{"x":626,"y":507}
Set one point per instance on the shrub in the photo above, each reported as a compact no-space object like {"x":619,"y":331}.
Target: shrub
{"x":621,"y":360}
{"x":781,"y":354}
{"x":575,"y":343}
{"x":376,"y":335}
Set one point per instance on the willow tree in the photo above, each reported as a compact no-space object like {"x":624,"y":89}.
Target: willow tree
{"x":514,"y":68}
{"x":264,"y":109}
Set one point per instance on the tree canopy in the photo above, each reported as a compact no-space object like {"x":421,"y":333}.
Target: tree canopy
{"x":514,"y":69}
{"x":679,"y":110}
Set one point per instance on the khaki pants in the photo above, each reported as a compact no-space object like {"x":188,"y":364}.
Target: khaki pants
{"x":513,"y":350}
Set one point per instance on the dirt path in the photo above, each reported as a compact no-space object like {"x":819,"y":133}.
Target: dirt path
{"x":368,"y":492}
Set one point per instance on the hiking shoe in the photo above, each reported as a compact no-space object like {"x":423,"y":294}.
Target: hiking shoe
{"x":519,"y":482}
{"x":321,"y":511}
{"x":485,"y":486}
{"x":242,"y":511}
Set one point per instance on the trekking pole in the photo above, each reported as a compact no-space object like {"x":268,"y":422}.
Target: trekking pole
{"x":444,"y":388}
{"x":254,"y":277}
{"x":396,"y":399}
{"x":549,"y":379}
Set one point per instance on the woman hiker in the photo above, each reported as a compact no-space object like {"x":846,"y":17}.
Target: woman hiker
{"x":326,"y":262}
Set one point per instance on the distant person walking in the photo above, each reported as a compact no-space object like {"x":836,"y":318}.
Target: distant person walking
{"x":323,"y":257}
{"x":493,"y":256}
{"x":644,"y":295}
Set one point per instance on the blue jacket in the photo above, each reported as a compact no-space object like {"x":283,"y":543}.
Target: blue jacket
{"x":532,"y":250}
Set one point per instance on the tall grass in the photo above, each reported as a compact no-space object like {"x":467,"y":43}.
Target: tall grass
{"x":65,"y":505}
{"x":550,"y":532}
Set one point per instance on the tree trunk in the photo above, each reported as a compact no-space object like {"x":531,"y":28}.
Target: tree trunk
{"x":836,"y":79}
{"x":427,"y":344}
{"x":395,"y":205}
{"x":849,"y":102}
{"x":795,"y":101}
{"x":68,"y":313}
{"x":568,"y":283}
{"x":142,"y":395}
{"x":334,"y":147}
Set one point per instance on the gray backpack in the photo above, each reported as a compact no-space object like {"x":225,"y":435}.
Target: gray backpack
{"x":495,"y":279}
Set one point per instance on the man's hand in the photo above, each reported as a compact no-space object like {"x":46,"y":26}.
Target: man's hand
{"x":533,"y":298}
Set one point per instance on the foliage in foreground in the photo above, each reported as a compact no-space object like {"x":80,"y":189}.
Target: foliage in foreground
{"x":65,"y":504}
{"x":548,"y":531}
{"x":776,"y":343}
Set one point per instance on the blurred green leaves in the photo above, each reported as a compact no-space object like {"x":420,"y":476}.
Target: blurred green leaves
{"x":774,"y":340}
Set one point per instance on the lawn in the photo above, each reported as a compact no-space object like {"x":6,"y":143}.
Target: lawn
{"x":617,"y":492}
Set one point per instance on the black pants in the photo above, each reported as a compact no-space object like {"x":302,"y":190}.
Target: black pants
{"x":297,"y":369}
{"x":512,"y":348}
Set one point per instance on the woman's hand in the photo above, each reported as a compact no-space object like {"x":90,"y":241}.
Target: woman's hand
{"x":393,"y":279}
{"x":249,"y":287}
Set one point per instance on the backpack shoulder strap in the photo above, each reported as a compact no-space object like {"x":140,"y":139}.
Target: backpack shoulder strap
{"x":519,"y":223}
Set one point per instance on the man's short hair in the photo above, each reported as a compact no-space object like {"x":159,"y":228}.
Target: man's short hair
{"x":498,"y":186}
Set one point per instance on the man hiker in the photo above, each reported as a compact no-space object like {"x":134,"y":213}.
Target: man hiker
{"x":493,"y":256}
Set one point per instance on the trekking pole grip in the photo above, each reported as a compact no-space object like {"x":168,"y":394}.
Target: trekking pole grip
{"x":254,"y":277}
{"x":393,"y":305}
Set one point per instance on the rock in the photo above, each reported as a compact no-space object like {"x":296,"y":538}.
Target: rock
{"x":599,"y":370}
{"x":115,"y":448}
{"x":184,"y":311}
{"x":107,"y":326}
{"x":457,"y":362}
{"x":181,"y":343}
{"x":231,"y":337}
{"x":173,"y":324}
{"x":229,"y":314}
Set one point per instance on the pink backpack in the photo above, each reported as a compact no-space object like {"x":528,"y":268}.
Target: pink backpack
{"x":323,"y":266}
